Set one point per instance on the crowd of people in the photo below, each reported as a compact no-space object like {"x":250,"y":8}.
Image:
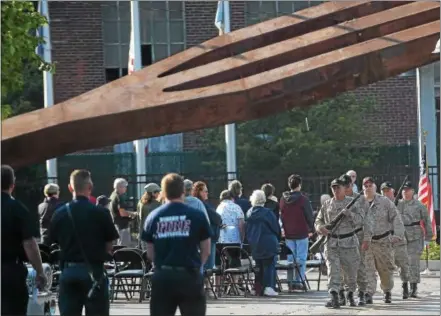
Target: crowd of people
{"x":180,"y":231}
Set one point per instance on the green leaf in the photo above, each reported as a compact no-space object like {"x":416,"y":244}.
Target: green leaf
{"x":19,"y":22}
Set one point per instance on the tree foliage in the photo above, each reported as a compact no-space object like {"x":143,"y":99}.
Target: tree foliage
{"x":284,"y":142}
{"x":19,"y":39}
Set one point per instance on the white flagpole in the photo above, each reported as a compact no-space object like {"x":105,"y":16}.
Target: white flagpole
{"x":48,"y":86}
{"x":230,"y":129}
{"x":135,"y":65}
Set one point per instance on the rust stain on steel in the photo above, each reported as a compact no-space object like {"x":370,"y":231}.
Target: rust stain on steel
{"x":385,"y":40}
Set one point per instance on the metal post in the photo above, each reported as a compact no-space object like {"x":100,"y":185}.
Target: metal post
{"x":230,"y":129}
{"x":48,"y":85}
{"x":427,"y":120}
{"x":135,"y":38}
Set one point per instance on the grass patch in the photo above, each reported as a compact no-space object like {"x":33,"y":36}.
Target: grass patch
{"x":434,"y":252}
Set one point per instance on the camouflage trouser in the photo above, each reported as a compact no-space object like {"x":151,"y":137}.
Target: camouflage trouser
{"x":414,"y":249}
{"x":337,"y":259}
{"x":401,"y":260}
{"x":379,"y":256}
{"x":361,"y":273}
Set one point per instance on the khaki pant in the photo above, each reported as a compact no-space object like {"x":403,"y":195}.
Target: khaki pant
{"x":362,"y":281}
{"x":337,"y":259}
{"x":379,"y":256}
{"x":415,"y":249}
{"x":401,"y":260}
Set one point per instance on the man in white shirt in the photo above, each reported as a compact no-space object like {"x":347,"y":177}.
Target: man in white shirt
{"x":353,"y":176}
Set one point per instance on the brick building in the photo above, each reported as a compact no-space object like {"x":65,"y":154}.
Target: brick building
{"x":90,"y":41}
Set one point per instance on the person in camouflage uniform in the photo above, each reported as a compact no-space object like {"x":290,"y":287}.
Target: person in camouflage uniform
{"x":401,"y":257}
{"x":341,"y":250}
{"x":378,"y":243}
{"x":362,"y":283}
{"x":413,"y":212}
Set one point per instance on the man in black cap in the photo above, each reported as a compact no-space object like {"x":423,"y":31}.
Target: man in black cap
{"x":19,"y":233}
{"x":413,"y":212}
{"x":178,"y":243}
{"x":341,"y":250}
{"x":378,"y":242}
{"x":387,"y":190}
{"x":361,"y":273}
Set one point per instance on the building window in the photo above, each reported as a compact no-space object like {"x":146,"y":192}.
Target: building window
{"x":162,"y":27}
{"x":259,"y":11}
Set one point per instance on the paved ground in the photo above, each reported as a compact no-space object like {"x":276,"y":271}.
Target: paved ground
{"x":311,"y":303}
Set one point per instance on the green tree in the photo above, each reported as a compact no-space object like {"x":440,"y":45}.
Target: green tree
{"x":334,"y":139}
{"x":19,"y":23}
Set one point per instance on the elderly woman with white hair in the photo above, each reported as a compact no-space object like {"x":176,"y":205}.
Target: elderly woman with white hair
{"x":353,"y":176}
{"x":263,"y":233}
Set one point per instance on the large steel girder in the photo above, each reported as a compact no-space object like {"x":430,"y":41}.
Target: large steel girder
{"x":251,"y":73}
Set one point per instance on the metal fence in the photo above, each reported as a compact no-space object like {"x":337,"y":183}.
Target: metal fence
{"x":106,"y":167}
{"x":315,"y":182}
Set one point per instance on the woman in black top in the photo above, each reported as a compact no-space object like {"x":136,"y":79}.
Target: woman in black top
{"x":200,"y":191}
{"x":271,"y":201}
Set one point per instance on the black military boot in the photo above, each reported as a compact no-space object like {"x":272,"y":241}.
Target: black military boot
{"x":405,"y":291}
{"x":333,"y":302}
{"x":361,"y":300}
{"x":413,"y":290}
{"x":341,"y":298}
{"x":368,"y":298}
{"x":351,"y":301}
{"x":387,"y":297}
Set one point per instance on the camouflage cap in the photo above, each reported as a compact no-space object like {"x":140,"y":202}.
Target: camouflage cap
{"x":346,"y":179}
{"x":337,"y":182}
{"x":51,"y":188}
{"x":386,"y":185}
{"x":152,"y":188}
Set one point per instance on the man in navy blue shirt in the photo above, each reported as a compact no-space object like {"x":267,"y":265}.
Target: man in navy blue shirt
{"x":178,"y":243}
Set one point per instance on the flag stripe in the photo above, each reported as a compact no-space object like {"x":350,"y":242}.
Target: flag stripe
{"x":425,"y":195}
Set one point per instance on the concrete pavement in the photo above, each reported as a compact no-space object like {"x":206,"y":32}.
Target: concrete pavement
{"x":311,"y":303}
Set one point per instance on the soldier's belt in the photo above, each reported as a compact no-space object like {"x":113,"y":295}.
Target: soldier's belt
{"x":378,"y":237}
{"x":359,"y":229}
{"x":342,"y":236}
{"x":413,"y":224}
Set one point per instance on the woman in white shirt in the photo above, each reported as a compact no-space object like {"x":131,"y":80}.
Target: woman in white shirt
{"x":233,"y":225}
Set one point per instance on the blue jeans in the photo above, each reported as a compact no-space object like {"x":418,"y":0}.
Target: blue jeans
{"x":211,"y":258}
{"x":299,"y":248}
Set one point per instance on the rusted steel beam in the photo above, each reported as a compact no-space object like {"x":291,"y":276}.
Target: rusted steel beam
{"x":334,"y":60}
{"x":306,"y":46}
{"x":280,"y":29}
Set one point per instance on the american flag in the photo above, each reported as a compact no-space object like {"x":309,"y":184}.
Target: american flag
{"x":425,"y":195}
